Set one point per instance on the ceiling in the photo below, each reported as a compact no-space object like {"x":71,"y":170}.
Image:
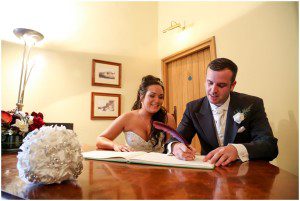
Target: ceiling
{"x":74,"y":25}
{"x":123,"y":28}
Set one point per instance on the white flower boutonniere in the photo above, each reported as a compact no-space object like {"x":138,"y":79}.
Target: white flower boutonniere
{"x":241,"y":115}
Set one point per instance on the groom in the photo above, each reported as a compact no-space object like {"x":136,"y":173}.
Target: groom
{"x":229,"y":125}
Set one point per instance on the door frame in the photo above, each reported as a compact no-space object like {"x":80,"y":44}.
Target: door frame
{"x":208,"y":43}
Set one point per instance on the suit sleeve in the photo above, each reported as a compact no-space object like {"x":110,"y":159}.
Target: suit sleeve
{"x":263,"y":144}
{"x":186,"y":127}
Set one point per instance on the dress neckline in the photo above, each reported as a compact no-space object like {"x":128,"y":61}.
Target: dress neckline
{"x":137,"y":135}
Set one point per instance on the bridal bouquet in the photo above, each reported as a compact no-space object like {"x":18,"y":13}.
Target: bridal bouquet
{"x":50,"y":155}
{"x":20,"y":123}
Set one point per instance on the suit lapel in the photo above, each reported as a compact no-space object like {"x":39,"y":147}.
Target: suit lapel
{"x":231,"y":126}
{"x":205,"y":119}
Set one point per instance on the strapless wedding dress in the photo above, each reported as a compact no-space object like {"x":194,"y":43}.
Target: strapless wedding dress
{"x":134,"y":141}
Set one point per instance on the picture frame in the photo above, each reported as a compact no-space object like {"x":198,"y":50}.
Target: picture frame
{"x":106,"y":73}
{"x":105,"y":105}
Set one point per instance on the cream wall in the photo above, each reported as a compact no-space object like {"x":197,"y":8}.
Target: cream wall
{"x":262,"y":38}
{"x":61,"y":88}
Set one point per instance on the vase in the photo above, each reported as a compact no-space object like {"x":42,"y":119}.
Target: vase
{"x":11,"y":143}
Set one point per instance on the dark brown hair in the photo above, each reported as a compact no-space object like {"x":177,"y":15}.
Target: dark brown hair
{"x":224,"y":63}
{"x":161,"y":115}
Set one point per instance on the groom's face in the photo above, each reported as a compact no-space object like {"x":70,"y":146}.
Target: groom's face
{"x":218,"y":86}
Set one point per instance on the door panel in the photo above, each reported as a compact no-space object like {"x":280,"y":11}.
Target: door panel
{"x":185,"y":80}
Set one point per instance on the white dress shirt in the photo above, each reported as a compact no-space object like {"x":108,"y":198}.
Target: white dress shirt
{"x":241,"y":149}
{"x":220,"y":117}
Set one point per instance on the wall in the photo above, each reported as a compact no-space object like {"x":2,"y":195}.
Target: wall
{"x":60,"y":87}
{"x":262,"y":38}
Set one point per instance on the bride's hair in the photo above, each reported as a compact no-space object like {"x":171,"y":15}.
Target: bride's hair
{"x":161,"y":115}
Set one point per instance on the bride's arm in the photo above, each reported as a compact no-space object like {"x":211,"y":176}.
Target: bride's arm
{"x":105,"y":139}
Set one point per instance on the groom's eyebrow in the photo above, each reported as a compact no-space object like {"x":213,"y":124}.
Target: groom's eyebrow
{"x":218,"y":83}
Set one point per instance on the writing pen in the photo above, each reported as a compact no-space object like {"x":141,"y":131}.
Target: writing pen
{"x":173,"y":132}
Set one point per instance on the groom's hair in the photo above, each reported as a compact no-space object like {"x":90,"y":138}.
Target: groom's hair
{"x":224,"y":63}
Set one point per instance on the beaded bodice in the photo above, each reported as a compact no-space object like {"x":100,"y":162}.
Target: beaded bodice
{"x":134,"y":141}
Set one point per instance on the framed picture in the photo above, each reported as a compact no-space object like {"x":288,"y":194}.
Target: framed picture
{"x":105,"y":73}
{"x":105,"y":106}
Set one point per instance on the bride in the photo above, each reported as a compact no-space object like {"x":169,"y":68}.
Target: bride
{"x":140,"y":135}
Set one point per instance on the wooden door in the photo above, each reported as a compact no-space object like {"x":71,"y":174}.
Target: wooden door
{"x":184,"y":78}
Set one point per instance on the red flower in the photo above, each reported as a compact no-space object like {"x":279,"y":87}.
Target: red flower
{"x":37,"y":123}
{"x":40,"y":115}
{"x":34,"y":114}
{"x":6,"y":117}
{"x":31,"y":127}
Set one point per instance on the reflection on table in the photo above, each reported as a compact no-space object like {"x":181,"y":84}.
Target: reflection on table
{"x":110,"y":180}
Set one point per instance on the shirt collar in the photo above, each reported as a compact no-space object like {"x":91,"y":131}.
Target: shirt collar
{"x":224,"y":106}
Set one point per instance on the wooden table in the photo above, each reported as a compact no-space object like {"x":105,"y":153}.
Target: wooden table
{"x":110,"y":180}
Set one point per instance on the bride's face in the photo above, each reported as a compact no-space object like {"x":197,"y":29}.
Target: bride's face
{"x":153,"y":99}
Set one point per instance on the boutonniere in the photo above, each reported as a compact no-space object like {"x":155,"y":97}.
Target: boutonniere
{"x":241,"y":115}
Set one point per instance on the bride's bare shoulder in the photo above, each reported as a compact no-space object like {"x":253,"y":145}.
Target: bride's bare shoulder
{"x":130,"y":115}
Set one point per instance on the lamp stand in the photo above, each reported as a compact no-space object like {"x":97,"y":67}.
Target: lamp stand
{"x":30,"y":37}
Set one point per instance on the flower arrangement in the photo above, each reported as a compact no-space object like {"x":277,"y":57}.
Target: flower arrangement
{"x":20,"y":123}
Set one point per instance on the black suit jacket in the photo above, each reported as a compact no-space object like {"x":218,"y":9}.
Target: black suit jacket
{"x":257,"y":138}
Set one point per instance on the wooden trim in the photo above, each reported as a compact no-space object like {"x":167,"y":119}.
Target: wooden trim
{"x":212,"y":48}
{"x":208,"y":43}
{"x":165,"y":81}
{"x":93,"y":117}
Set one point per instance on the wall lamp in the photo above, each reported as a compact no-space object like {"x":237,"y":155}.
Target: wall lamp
{"x":173,"y":25}
{"x":30,"y":37}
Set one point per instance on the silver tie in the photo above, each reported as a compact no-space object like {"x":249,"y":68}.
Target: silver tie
{"x":219,"y":119}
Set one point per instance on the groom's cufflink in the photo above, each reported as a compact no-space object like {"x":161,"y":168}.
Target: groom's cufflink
{"x":242,"y":152}
{"x":169,"y":149}
{"x":241,"y":129}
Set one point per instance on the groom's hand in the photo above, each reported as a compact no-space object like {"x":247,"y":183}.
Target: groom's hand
{"x":222,"y":155}
{"x":183,"y":152}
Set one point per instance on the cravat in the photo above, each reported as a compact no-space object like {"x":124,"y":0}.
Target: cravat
{"x":219,"y":120}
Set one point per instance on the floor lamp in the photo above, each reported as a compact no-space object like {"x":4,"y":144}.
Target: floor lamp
{"x":30,"y":38}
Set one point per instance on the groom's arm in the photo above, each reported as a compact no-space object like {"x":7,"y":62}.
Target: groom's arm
{"x":187,"y":130}
{"x":186,"y":127}
{"x":263,"y":144}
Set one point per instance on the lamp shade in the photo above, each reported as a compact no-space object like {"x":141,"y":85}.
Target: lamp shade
{"x":28,"y":35}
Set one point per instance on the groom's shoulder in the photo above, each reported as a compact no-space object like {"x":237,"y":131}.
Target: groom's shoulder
{"x":196,"y":104}
{"x":241,"y":97}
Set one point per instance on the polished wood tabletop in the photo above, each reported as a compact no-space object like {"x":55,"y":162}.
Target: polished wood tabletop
{"x":111,"y":180}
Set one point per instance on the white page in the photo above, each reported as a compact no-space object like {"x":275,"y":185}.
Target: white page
{"x":101,"y":154}
{"x":159,"y":158}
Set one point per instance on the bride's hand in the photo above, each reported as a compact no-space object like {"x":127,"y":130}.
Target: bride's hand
{"x":122,"y":148}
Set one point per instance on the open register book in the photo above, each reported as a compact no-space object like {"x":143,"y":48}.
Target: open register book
{"x":151,"y":158}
